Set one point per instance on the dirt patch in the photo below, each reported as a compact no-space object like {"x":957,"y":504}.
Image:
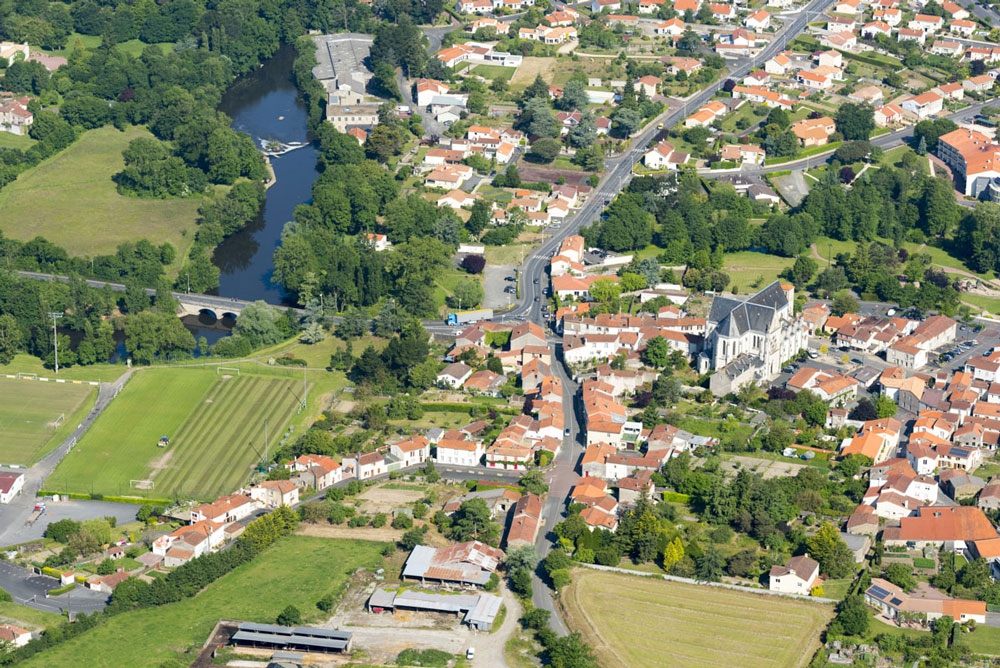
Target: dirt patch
{"x":226,"y":376}
{"x":160,"y":462}
{"x":530,"y":68}
{"x":345,"y":407}
{"x":384,"y":534}
{"x":535,"y":173}
{"x":382,"y":500}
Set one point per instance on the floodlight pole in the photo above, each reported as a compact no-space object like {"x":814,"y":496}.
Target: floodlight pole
{"x":55,"y":337}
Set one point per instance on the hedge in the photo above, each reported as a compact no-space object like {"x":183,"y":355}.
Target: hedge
{"x":138,"y":500}
{"x":52,"y":572}
{"x":62,"y":590}
{"x":675,"y":497}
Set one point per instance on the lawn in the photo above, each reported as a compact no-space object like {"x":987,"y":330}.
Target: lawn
{"x":494,"y":72}
{"x":215,"y":424}
{"x":297,"y":571}
{"x":749,"y":270}
{"x":24,"y":363}
{"x":35,"y":416}
{"x":19,"y":615}
{"x":510,"y":255}
{"x":984,"y":640}
{"x":982,"y":302}
{"x":91,"y":42}
{"x":9,"y":140}
{"x":73,"y":191}
{"x":694,"y":625}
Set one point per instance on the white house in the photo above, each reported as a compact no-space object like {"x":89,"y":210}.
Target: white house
{"x":14,"y":636}
{"x":10,"y":486}
{"x":459,"y":453}
{"x":274,"y":493}
{"x":454,"y":375}
{"x":226,"y":509}
{"x":363,"y":466}
{"x":189,"y":542}
{"x":412,"y":451}
{"x":797,"y":576}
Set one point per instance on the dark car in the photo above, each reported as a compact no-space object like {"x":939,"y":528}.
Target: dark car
{"x":536,"y":281}
{"x":537,"y":298}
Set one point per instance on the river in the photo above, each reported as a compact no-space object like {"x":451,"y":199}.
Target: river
{"x":266,"y":105}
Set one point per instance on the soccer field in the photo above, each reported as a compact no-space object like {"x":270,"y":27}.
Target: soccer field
{"x":215,"y":424}
{"x":35,"y":416}
{"x":640,"y":622}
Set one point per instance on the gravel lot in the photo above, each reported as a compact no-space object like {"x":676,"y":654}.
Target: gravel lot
{"x":494,"y":284}
{"x":72,"y":509}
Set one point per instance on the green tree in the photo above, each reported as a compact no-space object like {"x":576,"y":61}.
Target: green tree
{"x":673,"y":553}
{"x":545,"y":149}
{"x":828,"y":548}
{"x":467,"y":294}
{"x":656,"y":353}
{"x":884,"y":406}
{"x":290,"y":616}
{"x":852,"y":616}
{"x":844,"y":303}
{"x":901,"y":575}
{"x":472,"y":522}
{"x":533,"y":482}
{"x":855,"y":121}
{"x":10,"y":338}
{"x":710,"y":566}
{"x":803,"y":270}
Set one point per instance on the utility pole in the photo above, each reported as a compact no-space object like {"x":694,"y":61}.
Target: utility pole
{"x":267,"y":459}
{"x":55,"y":336}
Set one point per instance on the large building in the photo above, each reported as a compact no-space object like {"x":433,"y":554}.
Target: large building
{"x":973,"y":157}
{"x":748,"y":340}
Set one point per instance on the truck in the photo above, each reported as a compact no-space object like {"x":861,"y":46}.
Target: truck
{"x":466,"y":317}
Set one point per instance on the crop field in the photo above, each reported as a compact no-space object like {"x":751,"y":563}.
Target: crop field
{"x":215,"y":424}
{"x":297,"y":570}
{"x":73,"y":191}
{"x":639,"y":622}
{"x":35,"y":416}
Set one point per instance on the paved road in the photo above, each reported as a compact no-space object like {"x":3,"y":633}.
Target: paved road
{"x":14,"y":514}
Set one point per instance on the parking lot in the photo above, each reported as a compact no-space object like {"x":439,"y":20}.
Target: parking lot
{"x":29,"y":589}
{"x":494,"y":285}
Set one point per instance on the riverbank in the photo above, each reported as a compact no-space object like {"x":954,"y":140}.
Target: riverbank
{"x":272,"y":177}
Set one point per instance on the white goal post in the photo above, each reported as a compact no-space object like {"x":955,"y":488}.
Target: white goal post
{"x":232,"y":369}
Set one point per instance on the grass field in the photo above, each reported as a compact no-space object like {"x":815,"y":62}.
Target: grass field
{"x":19,"y":615}
{"x":984,"y":640}
{"x":73,"y":191}
{"x":91,"y":42}
{"x":494,"y":72}
{"x":211,"y":421}
{"x":8,"y":140}
{"x":36,"y":416}
{"x":694,"y":625}
{"x":749,"y":271}
{"x":296,"y":571}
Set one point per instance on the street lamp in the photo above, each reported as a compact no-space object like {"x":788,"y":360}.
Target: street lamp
{"x":55,"y":337}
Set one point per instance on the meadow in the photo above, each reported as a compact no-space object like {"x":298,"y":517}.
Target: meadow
{"x":71,"y":200}
{"x":36,"y":416}
{"x":297,"y":571}
{"x":215,"y":423}
{"x":689,"y":625}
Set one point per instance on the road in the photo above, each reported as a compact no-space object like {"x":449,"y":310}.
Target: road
{"x":13,"y":516}
{"x":31,"y":590}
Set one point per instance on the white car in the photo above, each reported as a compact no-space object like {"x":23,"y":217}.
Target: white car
{"x":470,"y":653}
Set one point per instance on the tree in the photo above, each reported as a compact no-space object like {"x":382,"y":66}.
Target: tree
{"x":474,"y":264}
{"x":472,"y":522}
{"x":290,"y":616}
{"x":815,"y":413}
{"x":10,"y":338}
{"x":656,"y":353}
{"x":479,"y":220}
{"x":574,"y":96}
{"x":844,"y":303}
{"x":533,"y":482}
{"x":61,"y":531}
{"x":853,"y":151}
{"x":467,"y":294}
{"x":803,"y":270}
{"x":545,"y":149}
{"x":855,"y":121}
{"x":828,"y":548}
{"x":570,"y":652}
{"x":864,"y":411}
{"x":626,"y":122}
{"x":710,"y":566}
{"x":884,"y":406}
{"x":852,"y":616}
{"x":673,"y":553}
{"x":901,"y":575}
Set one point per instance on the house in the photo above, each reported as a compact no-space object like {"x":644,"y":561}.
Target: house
{"x":449,"y":177}
{"x":524,"y":522}
{"x":743,"y":154}
{"x":962,"y":27}
{"x":867,"y":95}
{"x":950,"y":91}
{"x":946,"y":48}
{"x":15,"y":117}
{"x":363,"y":466}
{"x":316,"y":471}
{"x":663,"y":156}
{"x":274,"y":493}
{"x":457,"y":199}
{"x":924,"y":105}
{"x":810,"y":79}
{"x":875,"y":28}
{"x":650,"y":6}
{"x":677,"y":64}
{"x":952,"y":527}
{"x":847,"y":7}
{"x":989,"y":496}
{"x":11,"y":485}
{"x":929,"y":604}
{"x":379,"y":242}
{"x":485,"y":382}
{"x":959,"y":484}
{"x":778,"y":65}
{"x":840,"y":40}
{"x":978,"y":84}
{"x":954,"y":10}
{"x":829,"y":386}
{"x":648,"y":84}
{"x":526,"y":334}
{"x":797,"y":576}
{"x":757,"y":78}
{"x":14,"y":636}
{"x":465,"y":564}
{"x":863,"y":521}
{"x":9,"y":52}
{"x":891,"y":15}
{"x":670,"y":28}
{"x":459,"y":453}
{"x":759,"y":20}
{"x":814,"y":131}
{"x":475,"y":6}
{"x":597,"y":6}
{"x":427,"y":90}
{"x":721,"y":12}
{"x":858,"y":544}
{"x":226,"y":509}
{"x":748,"y":340}
{"x":412,"y":451}
{"x":840,"y":24}
{"x":454,"y":375}
{"x":927,"y":23}
{"x":889,"y":115}
{"x":188,"y":542}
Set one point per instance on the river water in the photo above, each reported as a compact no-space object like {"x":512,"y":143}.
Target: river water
{"x":265,"y":105}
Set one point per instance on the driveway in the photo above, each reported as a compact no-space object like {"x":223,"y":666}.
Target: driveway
{"x":792,"y":187}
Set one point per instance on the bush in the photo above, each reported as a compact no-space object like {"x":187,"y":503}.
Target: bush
{"x":474,"y":264}
{"x":379,"y":520}
{"x":326,"y":603}
{"x":433,"y":658}
{"x":402,"y":521}
{"x":5,"y":596}
{"x":290,"y":616}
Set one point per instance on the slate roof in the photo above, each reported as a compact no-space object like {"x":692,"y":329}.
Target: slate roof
{"x":735,"y":317}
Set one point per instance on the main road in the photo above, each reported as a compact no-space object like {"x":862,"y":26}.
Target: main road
{"x":560,"y":476}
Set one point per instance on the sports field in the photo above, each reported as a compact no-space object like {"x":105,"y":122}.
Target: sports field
{"x":35,"y":416}
{"x":73,"y":191}
{"x":297,"y":571}
{"x":215,"y":423}
{"x":638,"y":622}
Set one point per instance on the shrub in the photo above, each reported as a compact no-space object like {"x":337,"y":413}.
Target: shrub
{"x":474,"y":264}
{"x":402,"y":521}
{"x":290,"y":616}
{"x":326,"y":603}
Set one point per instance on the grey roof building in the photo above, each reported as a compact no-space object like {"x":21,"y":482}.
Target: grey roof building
{"x":465,"y":564}
{"x":479,"y":610}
